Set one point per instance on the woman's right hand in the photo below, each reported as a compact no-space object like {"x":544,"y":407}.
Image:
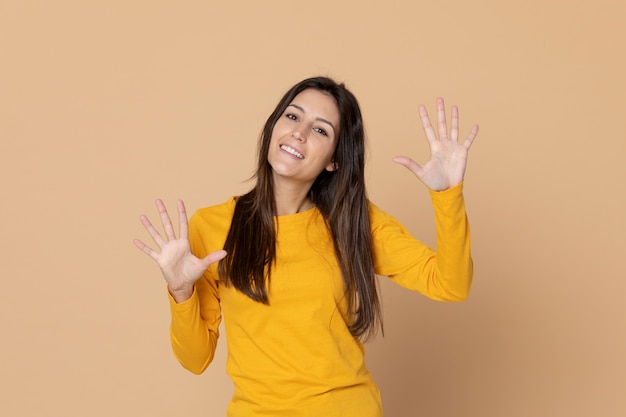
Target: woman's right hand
{"x":180,"y":268}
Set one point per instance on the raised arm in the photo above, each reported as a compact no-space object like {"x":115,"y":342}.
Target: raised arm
{"x":444,"y":274}
{"x":195,"y":322}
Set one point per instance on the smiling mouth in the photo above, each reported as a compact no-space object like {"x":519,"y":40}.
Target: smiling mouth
{"x":292,"y":151}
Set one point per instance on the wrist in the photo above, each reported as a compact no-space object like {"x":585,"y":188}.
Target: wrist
{"x":181,"y":294}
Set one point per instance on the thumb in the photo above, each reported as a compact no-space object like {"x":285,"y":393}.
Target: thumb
{"x":213,"y":257}
{"x":410,"y":164}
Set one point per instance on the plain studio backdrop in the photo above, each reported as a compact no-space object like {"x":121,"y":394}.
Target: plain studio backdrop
{"x":107,"y":105}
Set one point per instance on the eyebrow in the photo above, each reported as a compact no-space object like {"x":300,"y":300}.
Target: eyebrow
{"x":321,"y":119}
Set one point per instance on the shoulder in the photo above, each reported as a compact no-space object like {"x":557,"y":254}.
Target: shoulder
{"x":209,"y":226}
{"x":383,"y":224}
{"x":377,"y":215}
{"x":223,"y":208}
{"x":217,"y":215}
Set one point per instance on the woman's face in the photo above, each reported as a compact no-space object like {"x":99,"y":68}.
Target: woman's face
{"x":304,"y":138}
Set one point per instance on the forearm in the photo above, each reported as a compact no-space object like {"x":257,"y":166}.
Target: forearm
{"x":193,"y":340}
{"x":452,"y":274}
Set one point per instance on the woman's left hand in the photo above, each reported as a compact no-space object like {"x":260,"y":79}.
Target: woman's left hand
{"x":448,"y":157}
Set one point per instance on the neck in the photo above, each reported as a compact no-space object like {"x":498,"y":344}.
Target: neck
{"x":291,"y":199}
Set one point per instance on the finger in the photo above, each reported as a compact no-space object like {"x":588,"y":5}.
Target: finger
{"x":441,"y":119}
{"x":213,"y":257}
{"x":152,"y":231}
{"x":145,"y":249}
{"x":182,"y":220}
{"x":470,"y":137}
{"x":165,"y":220}
{"x":454,"y":130}
{"x":410,"y":164}
{"x":428,"y":128}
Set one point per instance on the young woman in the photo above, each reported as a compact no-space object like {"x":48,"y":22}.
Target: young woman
{"x":291,"y":265}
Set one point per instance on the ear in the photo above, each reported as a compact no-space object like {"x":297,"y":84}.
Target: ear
{"x":332,"y":166}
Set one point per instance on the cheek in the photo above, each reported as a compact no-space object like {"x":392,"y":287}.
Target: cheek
{"x":279,"y":127}
{"x":275,"y":136}
{"x":333,"y":150}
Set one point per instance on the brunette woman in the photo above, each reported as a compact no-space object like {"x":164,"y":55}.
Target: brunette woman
{"x":292,"y":264}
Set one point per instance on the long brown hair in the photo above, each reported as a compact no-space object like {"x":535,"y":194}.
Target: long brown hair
{"x":340,"y":197}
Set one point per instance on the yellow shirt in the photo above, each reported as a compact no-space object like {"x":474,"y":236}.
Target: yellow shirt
{"x":296,"y":356}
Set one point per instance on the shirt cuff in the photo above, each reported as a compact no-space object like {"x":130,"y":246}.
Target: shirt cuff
{"x":450,"y":193}
{"x":185,"y":305}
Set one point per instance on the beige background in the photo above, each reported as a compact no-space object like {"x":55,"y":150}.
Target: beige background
{"x":107,"y":105}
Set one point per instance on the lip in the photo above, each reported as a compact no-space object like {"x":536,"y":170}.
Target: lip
{"x":299,"y":158}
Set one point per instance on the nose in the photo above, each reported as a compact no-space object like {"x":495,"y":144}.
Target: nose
{"x":299,"y":133}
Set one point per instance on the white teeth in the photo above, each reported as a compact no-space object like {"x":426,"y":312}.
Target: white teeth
{"x":291,"y":151}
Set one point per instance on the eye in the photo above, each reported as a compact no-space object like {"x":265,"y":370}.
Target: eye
{"x":291,"y":116}
{"x":321,"y":131}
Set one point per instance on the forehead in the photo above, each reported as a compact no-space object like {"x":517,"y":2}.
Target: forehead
{"x":318,"y":104}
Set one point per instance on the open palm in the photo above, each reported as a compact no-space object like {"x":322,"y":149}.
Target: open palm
{"x":448,"y":157}
{"x":179,"y":266}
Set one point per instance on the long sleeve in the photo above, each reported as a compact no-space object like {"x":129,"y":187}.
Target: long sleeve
{"x":194,"y":328}
{"x":444,"y":274}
